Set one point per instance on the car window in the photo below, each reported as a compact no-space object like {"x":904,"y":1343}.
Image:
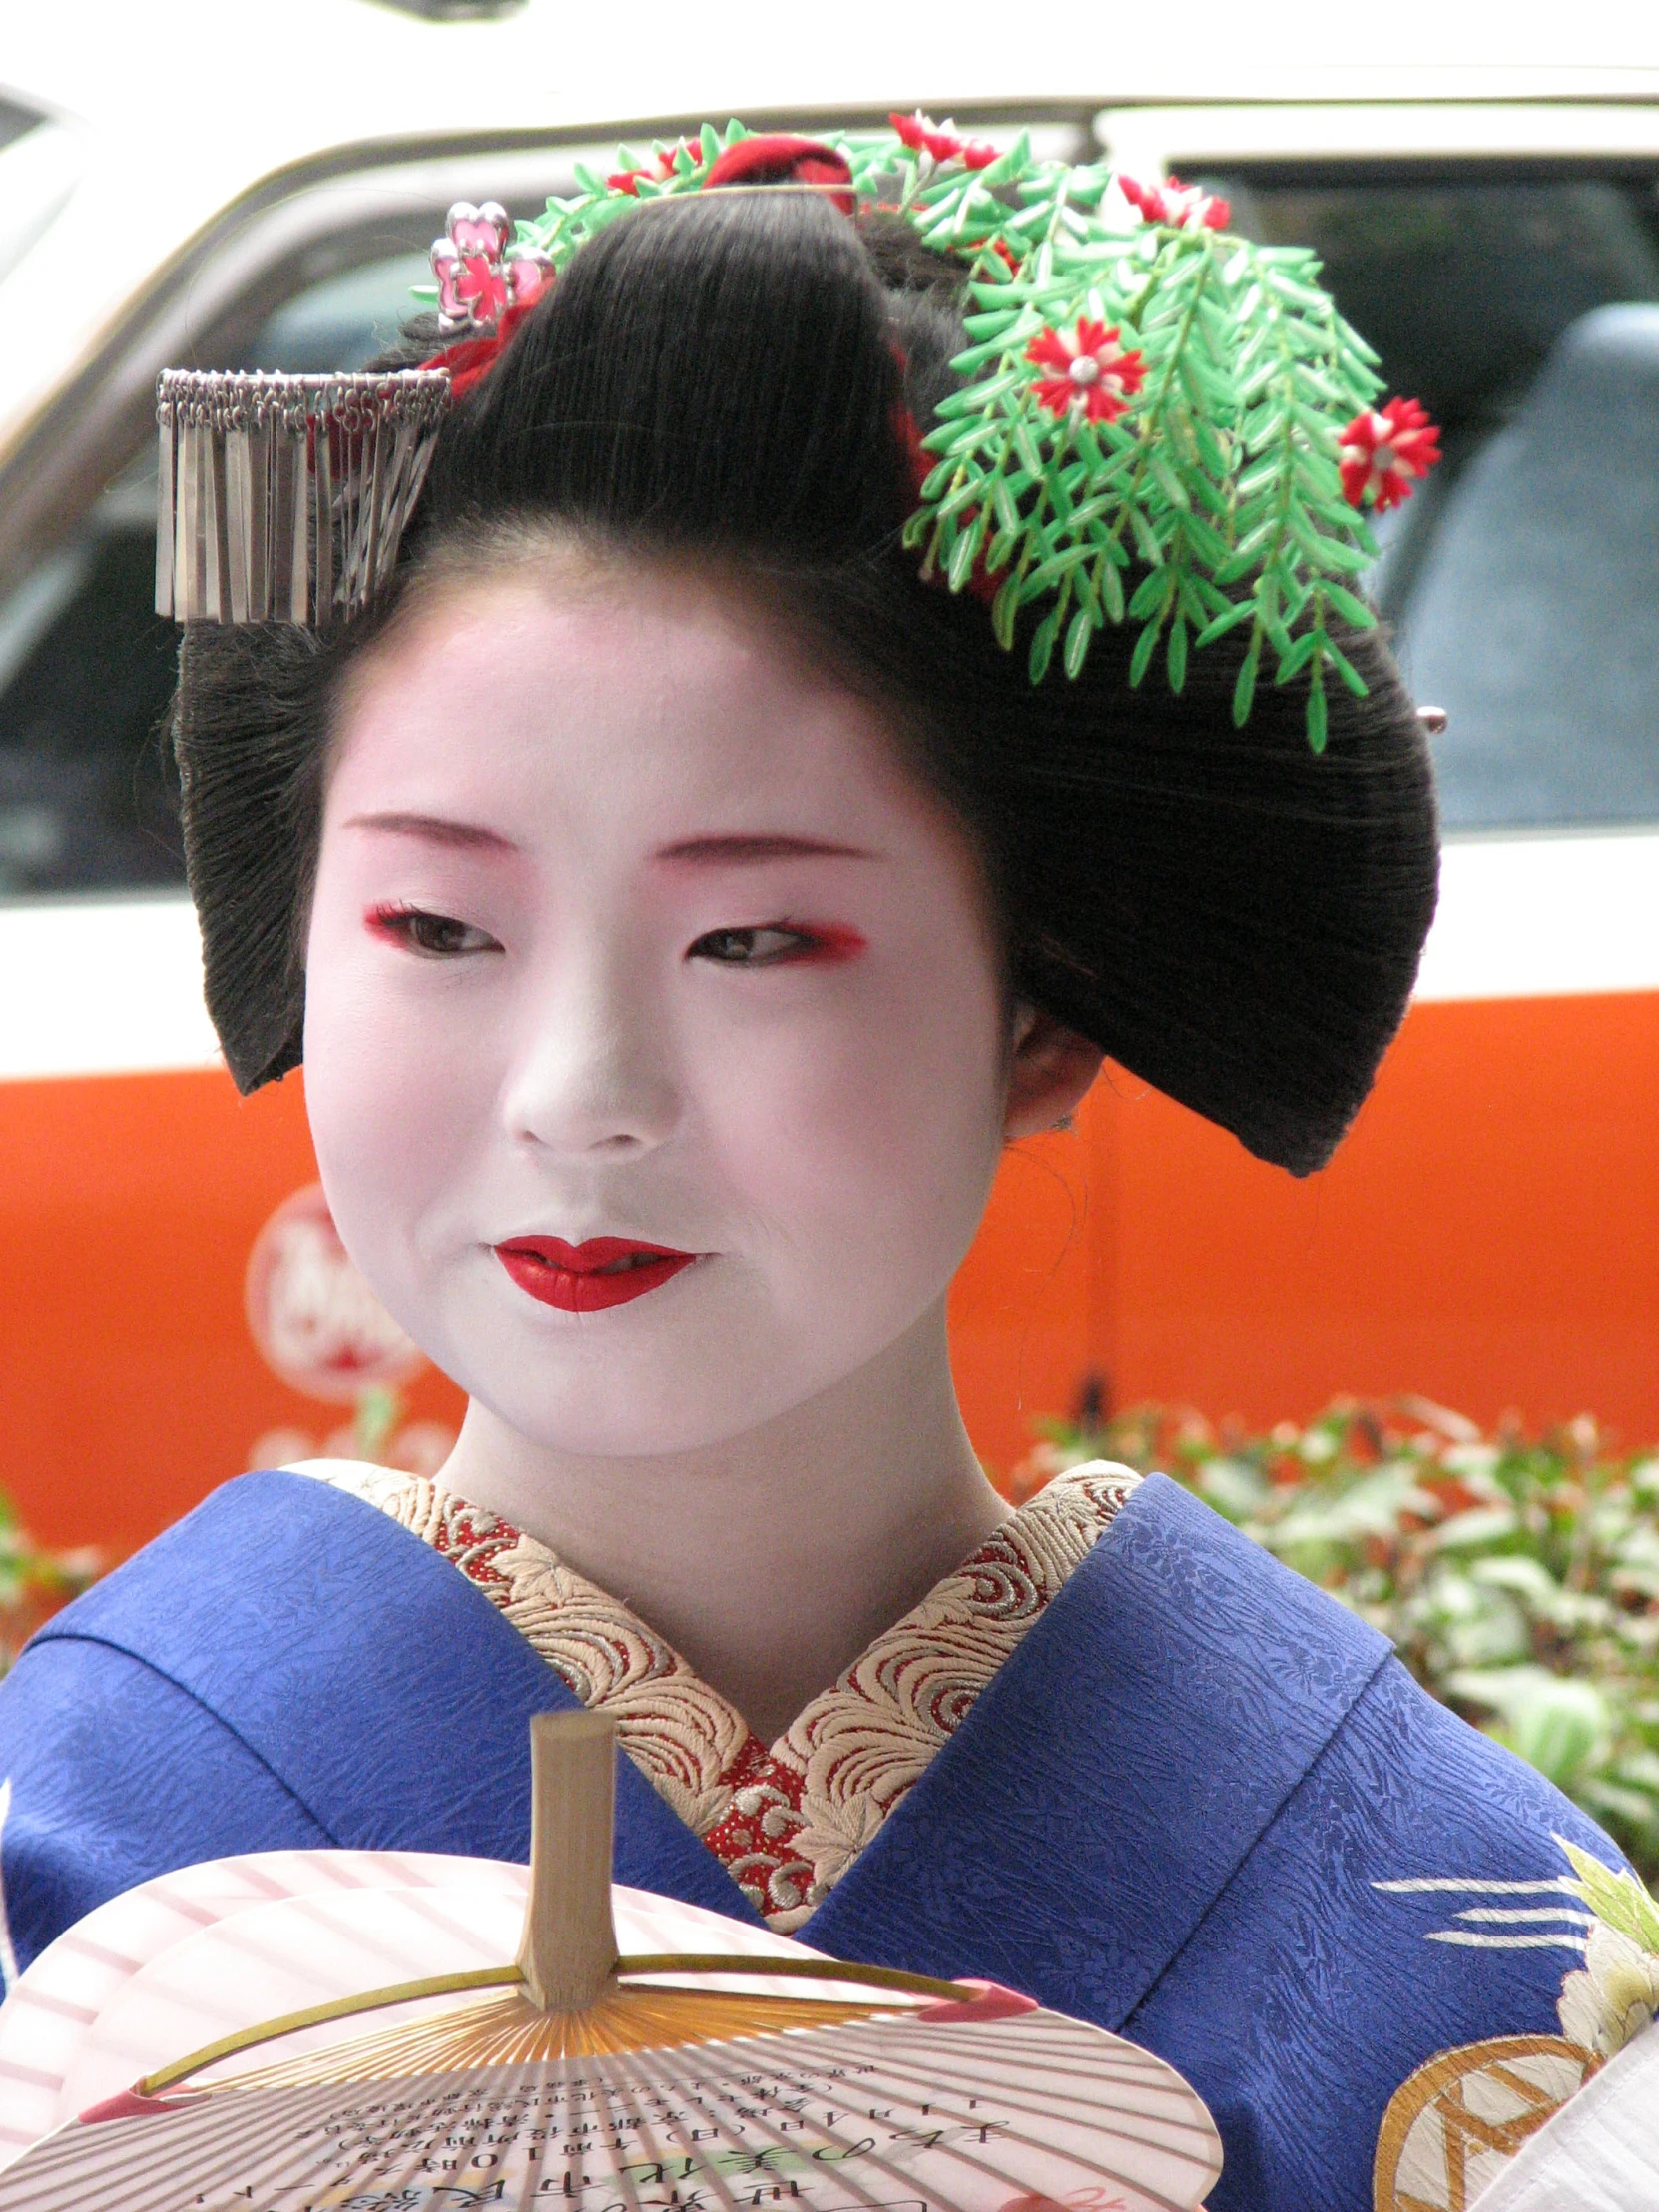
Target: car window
{"x":342,"y":322}
{"x":16,"y":118}
{"x":1523,"y":579}
{"x":86,"y":801}
{"x":86,"y":670}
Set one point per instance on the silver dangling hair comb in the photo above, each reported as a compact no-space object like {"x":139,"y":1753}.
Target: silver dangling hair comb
{"x":284,"y":498}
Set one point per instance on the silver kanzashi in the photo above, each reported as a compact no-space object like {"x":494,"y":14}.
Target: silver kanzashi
{"x":284,"y":498}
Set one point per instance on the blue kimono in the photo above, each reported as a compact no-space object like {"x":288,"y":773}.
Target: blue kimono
{"x":1182,"y":1809}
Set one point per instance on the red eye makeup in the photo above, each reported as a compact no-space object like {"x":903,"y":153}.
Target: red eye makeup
{"x":778,"y":945}
{"x":435,"y":936}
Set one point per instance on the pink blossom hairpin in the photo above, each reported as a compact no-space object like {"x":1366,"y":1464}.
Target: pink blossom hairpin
{"x":480,"y":274}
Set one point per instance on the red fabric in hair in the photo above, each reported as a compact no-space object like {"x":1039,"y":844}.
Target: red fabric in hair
{"x":775,"y":158}
{"x":470,"y":358}
{"x":769,"y":159}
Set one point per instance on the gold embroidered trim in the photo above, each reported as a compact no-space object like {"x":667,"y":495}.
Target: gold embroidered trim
{"x":1453,"y":2126}
{"x":790,"y":1821}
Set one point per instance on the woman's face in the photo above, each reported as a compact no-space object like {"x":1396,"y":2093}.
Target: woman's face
{"x":632,"y":933}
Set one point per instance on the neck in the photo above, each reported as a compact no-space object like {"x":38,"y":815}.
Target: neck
{"x":771,"y":1560}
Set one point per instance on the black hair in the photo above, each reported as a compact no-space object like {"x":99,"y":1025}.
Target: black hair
{"x":1229,"y":916}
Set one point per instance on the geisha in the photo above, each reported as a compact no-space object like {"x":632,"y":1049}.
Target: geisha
{"x":733,"y":798}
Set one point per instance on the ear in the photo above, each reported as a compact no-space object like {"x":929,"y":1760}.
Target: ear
{"x":1049,"y":1070}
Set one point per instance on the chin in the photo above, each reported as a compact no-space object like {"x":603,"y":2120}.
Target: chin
{"x":675,"y":1371}
{"x":628,"y":1421}
{"x":686,"y":1401}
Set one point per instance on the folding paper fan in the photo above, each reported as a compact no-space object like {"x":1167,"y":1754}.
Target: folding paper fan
{"x":654,"y":2081}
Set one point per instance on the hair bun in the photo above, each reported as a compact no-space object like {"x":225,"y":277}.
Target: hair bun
{"x":1230,"y":917}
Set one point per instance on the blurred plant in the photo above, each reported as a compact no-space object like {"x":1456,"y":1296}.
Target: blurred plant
{"x":1517,"y":1577}
{"x":378,"y":1412}
{"x":34,"y":1583}
{"x":376,"y":1431}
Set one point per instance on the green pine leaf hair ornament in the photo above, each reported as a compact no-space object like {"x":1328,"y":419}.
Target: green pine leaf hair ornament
{"x":1159,"y":423}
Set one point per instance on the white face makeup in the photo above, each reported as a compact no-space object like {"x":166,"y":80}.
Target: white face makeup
{"x":630,"y":928}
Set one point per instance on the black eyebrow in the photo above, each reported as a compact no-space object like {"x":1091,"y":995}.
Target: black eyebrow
{"x":750,"y":851}
{"x":467,"y":836}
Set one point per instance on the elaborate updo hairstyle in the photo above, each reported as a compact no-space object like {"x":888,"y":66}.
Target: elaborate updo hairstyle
{"x":718,"y":379}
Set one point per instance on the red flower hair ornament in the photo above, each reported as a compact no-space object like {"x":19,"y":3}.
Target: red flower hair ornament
{"x":1090,"y":373}
{"x":628,"y":180}
{"x":1176,"y":204}
{"x":1384,"y":453}
{"x":1156,"y":422}
{"x":939,"y":142}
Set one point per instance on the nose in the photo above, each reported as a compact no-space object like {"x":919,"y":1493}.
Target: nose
{"x":593,"y":1072}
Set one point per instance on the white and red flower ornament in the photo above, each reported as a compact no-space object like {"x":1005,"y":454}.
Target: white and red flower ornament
{"x":659,"y":172}
{"x":1177,"y":206}
{"x":1158,"y":422}
{"x":1384,"y":453}
{"x":1090,"y":373}
{"x":940,"y":142}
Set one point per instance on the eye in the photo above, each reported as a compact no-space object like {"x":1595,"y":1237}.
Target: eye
{"x":434,"y":936}
{"x":773,"y":944}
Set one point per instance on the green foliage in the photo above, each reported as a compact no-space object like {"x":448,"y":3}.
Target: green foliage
{"x":1218,"y":486}
{"x":1618,"y":1899}
{"x":1219,"y":481}
{"x":1517,"y":1577}
{"x":34,"y":1583}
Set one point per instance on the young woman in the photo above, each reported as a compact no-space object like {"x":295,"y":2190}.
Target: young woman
{"x":677,"y":898}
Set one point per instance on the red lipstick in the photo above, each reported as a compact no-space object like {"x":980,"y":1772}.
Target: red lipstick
{"x":585,"y":1278}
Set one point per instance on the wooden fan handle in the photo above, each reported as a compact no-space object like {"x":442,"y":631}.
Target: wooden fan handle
{"x":569,"y":1952}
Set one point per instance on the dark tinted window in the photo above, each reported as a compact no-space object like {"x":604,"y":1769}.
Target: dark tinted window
{"x":1524,"y":580}
{"x":15,"y":118}
{"x":86,"y":670}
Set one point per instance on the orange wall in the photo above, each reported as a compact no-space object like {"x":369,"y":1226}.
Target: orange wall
{"x":129,"y":1385}
{"x":1488,"y":1236}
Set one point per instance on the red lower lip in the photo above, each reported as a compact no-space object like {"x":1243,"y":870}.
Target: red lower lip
{"x":586,"y":1278}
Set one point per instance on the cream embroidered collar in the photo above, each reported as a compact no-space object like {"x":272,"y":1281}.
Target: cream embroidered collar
{"x":786,"y":1822}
